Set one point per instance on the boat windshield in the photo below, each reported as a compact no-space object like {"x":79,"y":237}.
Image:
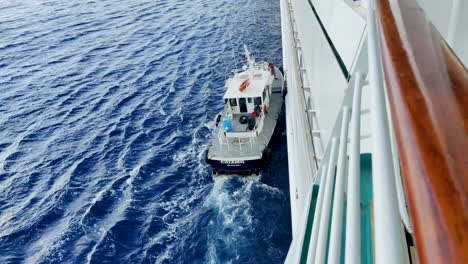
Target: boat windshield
{"x":233,"y":101}
{"x":258,"y":100}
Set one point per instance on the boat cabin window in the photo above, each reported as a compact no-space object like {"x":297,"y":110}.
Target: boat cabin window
{"x":257,"y":100}
{"x":242,"y":105}
{"x":249,"y":100}
{"x":225,"y":101}
{"x":233,"y":101}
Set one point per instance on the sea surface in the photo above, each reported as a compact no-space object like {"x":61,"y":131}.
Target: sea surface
{"x":106,"y":110}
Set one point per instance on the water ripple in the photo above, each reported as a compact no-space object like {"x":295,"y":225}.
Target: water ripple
{"x":106,"y":110}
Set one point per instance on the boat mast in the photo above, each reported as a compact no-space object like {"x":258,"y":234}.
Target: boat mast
{"x":249,"y":57}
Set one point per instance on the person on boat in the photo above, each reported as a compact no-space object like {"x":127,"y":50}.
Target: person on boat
{"x":265,"y":110}
{"x":271,"y":67}
{"x":257,"y":111}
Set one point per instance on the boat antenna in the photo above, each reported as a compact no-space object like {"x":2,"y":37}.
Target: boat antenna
{"x":248,"y":56}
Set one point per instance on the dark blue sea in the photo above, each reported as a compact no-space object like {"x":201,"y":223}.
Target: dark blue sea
{"x":106,"y":110}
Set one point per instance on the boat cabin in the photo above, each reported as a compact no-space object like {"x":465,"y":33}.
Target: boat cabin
{"x":247,"y":98}
{"x":257,"y":93}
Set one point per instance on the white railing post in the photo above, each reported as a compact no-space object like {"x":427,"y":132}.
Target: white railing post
{"x":353,"y":212}
{"x":316,"y":224}
{"x":300,"y":242}
{"x":399,"y":184}
{"x":325,"y":214}
{"x":387,"y":226}
{"x":454,"y":22}
{"x":334,"y":251}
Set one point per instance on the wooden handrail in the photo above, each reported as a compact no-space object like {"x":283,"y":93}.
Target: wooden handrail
{"x":428,"y":93}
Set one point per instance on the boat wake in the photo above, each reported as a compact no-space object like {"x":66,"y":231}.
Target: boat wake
{"x":232,"y":231}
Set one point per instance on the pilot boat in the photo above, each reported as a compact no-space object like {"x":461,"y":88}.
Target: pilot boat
{"x":252,"y":105}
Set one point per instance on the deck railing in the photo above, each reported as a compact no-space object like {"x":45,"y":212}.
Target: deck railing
{"x":428,"y":93}
{"x":427,"y":89}
{"x":389,"y":244}
{"x":323,"y":242}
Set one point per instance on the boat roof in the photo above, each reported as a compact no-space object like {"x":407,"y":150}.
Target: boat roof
{"x":259,"y":78}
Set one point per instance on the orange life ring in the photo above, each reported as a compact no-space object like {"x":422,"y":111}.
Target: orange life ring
{"x":244,"y":85}
{"x":265,"y":109}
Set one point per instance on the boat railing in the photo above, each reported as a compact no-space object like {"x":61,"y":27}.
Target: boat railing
{"x":247,"y":134}
{"x":229,"y":139}
{"x":259,"y":124}
{"x":415,"y":80}
{"x":239,"y":138}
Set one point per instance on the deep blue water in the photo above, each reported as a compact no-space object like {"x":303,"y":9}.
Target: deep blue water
{"x":106,"y":108}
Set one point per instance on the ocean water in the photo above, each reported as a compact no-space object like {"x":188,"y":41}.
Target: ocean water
{"x":106,"y":109}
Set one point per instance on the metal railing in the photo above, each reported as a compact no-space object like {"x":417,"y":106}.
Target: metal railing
{"x":389,"y":246}
{"x":420,"y":93}
{"x":334,"y":173}
{"x":427,"y":86}
{"x":353,"y":217}
{"x":340,"y":178}
{"x":238,"y":138}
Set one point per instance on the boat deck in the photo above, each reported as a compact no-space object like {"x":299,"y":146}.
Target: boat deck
{"x":224,"y":148}
{"x":237,"y":126}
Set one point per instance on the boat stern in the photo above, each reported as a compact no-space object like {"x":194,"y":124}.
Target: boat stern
{"x":239,"y":166}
